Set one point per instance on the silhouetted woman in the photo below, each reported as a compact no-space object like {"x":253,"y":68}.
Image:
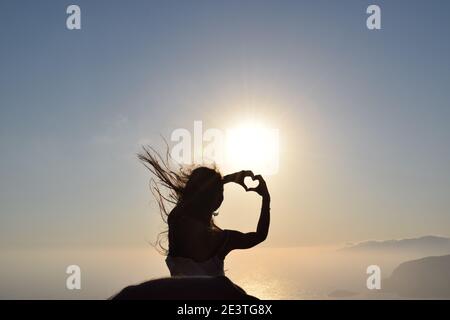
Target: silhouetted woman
{"x":196,"y":245}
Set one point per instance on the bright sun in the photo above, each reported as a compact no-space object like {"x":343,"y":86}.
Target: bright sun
{"x":252,"y":146}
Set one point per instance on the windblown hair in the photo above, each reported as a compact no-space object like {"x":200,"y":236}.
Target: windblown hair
{"x":185,"y":186}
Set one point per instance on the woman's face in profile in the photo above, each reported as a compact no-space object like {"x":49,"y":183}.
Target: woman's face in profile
{"x":219,"y":198}
{"x":216,"y":198}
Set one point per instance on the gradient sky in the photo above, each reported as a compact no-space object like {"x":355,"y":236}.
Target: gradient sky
{"x":363,"y":115}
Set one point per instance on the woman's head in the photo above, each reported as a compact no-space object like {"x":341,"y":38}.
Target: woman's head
{"x":203,"y":192}
{"x":196,"y":191}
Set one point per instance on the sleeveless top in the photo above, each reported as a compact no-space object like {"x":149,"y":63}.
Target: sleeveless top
{"x":181,"y":266}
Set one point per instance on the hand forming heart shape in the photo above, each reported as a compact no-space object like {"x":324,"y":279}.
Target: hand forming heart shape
{"x":250,"y":183}
{"x":239,"y":178}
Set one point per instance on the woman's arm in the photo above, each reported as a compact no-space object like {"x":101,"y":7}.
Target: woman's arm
{"x":240,"y":240}
{"x":264,"y":219}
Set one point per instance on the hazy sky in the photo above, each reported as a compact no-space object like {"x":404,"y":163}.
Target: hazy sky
{"x":363,"y":115}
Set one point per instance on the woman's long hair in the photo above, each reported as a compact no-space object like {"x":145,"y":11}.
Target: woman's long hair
{"x":185,"y":186}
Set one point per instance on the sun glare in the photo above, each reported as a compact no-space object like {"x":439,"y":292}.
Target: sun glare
{"x":252,"y":146}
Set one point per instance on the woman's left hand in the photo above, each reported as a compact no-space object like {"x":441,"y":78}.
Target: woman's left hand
{"x":261,"y":188}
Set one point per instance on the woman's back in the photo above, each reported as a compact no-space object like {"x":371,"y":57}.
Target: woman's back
{"x":195,"y":248}
{"x":191,"y":238}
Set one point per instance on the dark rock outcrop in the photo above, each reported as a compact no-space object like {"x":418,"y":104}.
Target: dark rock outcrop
{"x":185,"y":288}
{"x":423,"y":278}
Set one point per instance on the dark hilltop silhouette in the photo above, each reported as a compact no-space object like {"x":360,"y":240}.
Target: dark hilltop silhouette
{"x":423,"y":278}
{"x":185,"y":288}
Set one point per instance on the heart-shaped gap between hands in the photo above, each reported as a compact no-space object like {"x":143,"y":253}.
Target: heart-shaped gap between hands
{"x":250,"y":183}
